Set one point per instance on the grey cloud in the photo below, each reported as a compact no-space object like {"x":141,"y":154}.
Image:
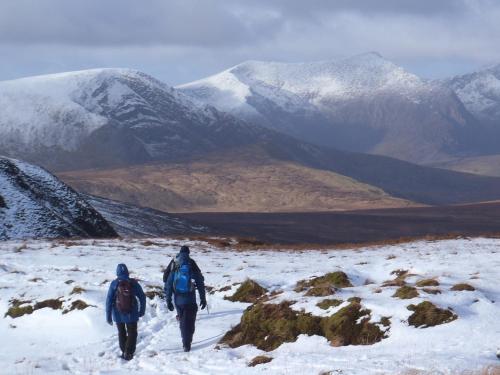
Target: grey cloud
{"x":182,"y":40}
{"x":127,"y":22}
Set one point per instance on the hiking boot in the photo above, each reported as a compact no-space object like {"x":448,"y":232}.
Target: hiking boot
{"x":128,"y":356}
{"x":187,"y":348}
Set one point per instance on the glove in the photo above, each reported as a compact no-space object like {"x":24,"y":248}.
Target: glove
{"x":170,"y":305}
{"x":203,"y":304}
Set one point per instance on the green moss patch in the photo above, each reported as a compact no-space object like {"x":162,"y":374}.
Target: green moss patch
{"x":399,"y":280}
{"x":431,"y":290}
{"x":406,"y":292}
{"x":77,"y":305}
{"x":17,"y":308}
{"x":463,"y":287}
{"x":324,"y":285}
{"x":327,"y":303}
{"x":267,"y":326}
{"x":427,"y":282}
{"x":426,"y":314}
{"x":259,"y":360}
{"x":249,"y":291}
{"x":154,"y":291}
{"x":78,"y":290}
{"x":54,"y":304}
{"x":351,"y":326}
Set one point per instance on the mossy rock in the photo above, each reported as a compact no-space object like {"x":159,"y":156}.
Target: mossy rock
{"x":427,"y":282}
{"x":426,"y":314}
{"x":78,"y":290}
{"x":354,"y":299}
{"x":351,"y":326}
{"x":17,"y":309}
{"x":327,"y":303}
{"x":249,"y":291}
{"x":400,"y":279}
{"x":259,"y":360}
{"x":151,"y":294}
{"x":406,"y":292}
{"x":431,"y":291}
{"x":77,"y":305}
{"x":325,"y":285}
{"x":154,"y":291}
{"x":267,"y":326}
{"x":54,"y":304}
{"x":463,"y":287}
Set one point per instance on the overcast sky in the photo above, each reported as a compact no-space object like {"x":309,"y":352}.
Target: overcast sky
{"x":179,"y":41}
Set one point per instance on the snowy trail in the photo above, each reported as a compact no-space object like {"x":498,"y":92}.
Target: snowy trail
{"x":81,"y":342}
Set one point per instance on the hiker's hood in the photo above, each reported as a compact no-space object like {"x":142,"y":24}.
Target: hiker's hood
{"x":122,"y":271}
{"x":184,"y":249}
{"x":182,"y":257}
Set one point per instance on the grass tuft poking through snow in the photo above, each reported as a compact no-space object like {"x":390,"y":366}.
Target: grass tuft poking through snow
{"x":249,"y":291}
{"x":426,"y":314}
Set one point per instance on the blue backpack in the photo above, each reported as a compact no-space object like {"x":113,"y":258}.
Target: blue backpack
{"x":182,"y":278}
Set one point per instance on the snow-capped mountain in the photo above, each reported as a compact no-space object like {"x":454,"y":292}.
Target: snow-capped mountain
{"x":107,"y":117}
{"x":480,"y":93}
{"x":363,"y":103}
{"x":34,"y":204}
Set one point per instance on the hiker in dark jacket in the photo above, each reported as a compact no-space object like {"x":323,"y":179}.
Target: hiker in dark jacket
{"x":125,"y":304}
{"x":180,"y":283}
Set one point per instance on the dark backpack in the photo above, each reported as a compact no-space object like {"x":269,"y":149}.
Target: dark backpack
{"x":124,"y":296}
{"x":182,"y":278}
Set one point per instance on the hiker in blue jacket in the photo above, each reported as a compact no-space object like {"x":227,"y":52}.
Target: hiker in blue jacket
{"x":180,"y":283}
{"x":125,"y":304}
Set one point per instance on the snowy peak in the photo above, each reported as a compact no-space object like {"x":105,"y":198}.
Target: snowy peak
{"x":34,"y":204}
{"x":363,"y":103}
{"x":480,"y":92}
{"x":106,"y":117}
{"x":346,"y":77}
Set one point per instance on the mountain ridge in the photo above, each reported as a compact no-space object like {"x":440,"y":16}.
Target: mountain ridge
{"x":348,"y":104}
{"x":35,"y":204}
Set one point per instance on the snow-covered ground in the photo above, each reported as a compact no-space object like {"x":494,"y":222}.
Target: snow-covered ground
{"x":81,"y":342}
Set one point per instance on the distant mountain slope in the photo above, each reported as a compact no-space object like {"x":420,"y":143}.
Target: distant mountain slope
{"x":35,"y":204}
{"x":480,"y":92}
{"x":134,"y":221}
{"x":364,"y":103}
{"x":246,"y":180}
{"x":108,"y":117}
{"x":270,"y":177}
{"x":488,"y":165}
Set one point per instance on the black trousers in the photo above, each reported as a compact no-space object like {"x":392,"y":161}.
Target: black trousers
{"x":127,"y":337}
{"x":187,"y":318}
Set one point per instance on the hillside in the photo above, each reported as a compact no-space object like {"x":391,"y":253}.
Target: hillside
{"x":272,"y":177}
{"x":133,"y":221}
{"x":35,"y":204}
{"x":246,"y":181}
{"x":488,"y":165}
{"x":457,"y":336}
